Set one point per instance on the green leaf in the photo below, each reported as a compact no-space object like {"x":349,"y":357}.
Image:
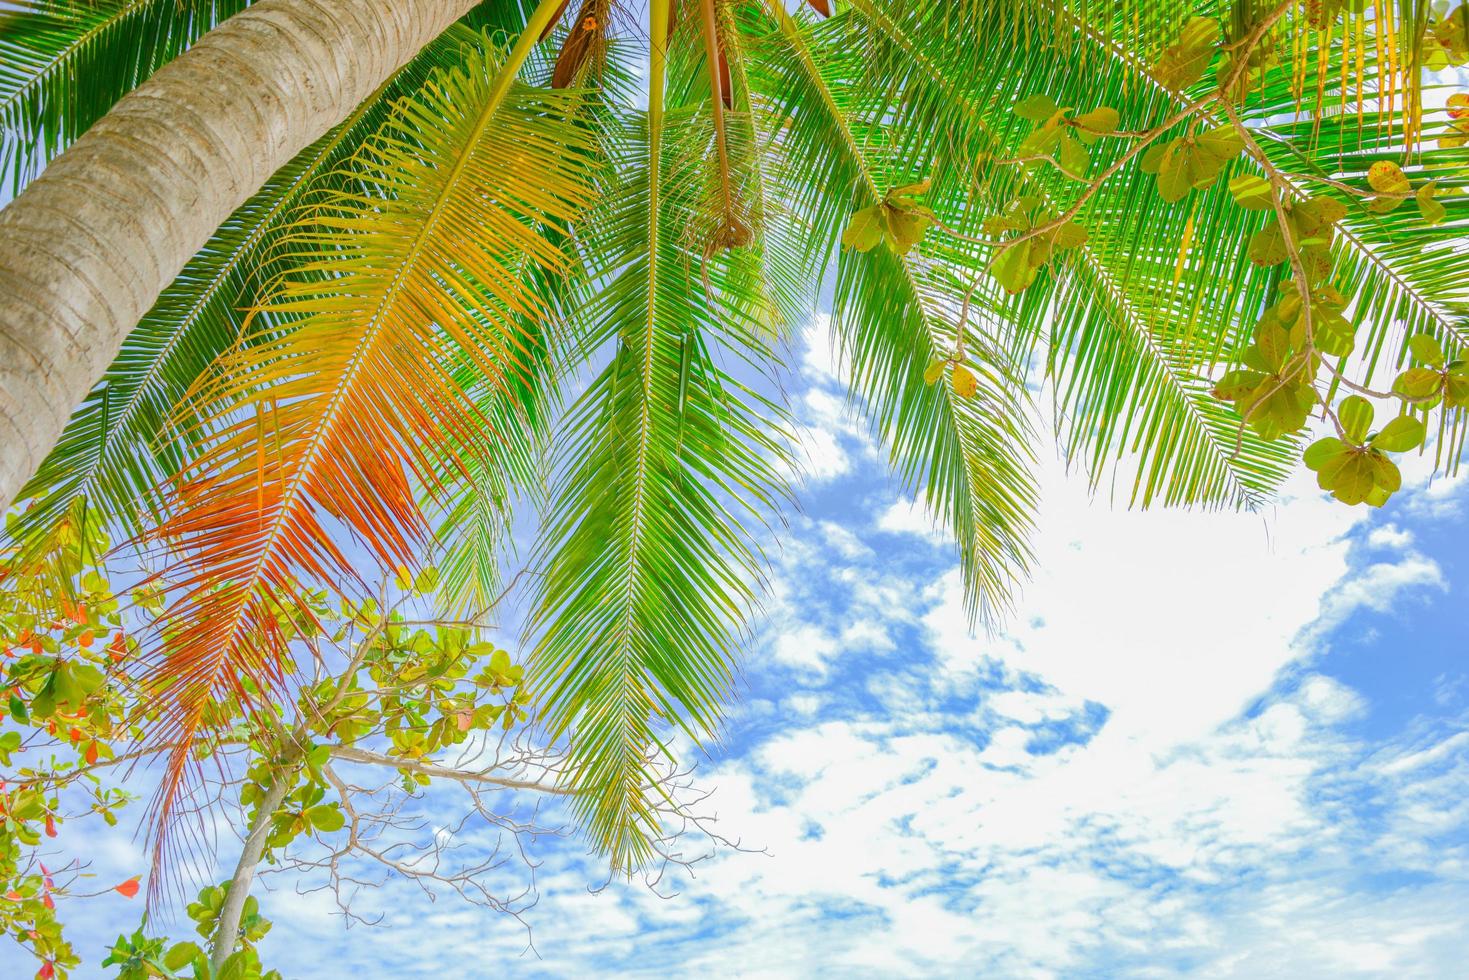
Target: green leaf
{"x":182,"y":954}
{"x":1251,"y":192}
{"x":87,"y":679}
{"x":1400,"y":435}
{"x":935,"y":370}
{"x":1354,"y":479}
{"x":1355,"y":415}
{"x":1237,"y":384}
{"x":1152,"y":158}
{"x":1012,"y":266}
{"x":1216,"y":147}
{"x":1074,"y":158}
{"x":237,"y":966}
{"x":326,"y":818}
{"x":1175,"y":173}
{"x":1072,"y":234}
{"x":500,"y":662}
{"x":1037,"y":108}
{"x":1426,"y":347}
{"x":1323,"y":451}
{"x":426,"y":581}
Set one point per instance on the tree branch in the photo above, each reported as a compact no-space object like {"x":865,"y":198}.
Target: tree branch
{"x":349,"y":753}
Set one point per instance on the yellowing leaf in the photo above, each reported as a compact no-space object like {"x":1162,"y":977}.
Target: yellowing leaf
{"x":1419,"y":384}
{"x":965,"y":383}
{"x":864,"y":231}
{"x":906,"y":228}
{"x":1432,"y":211}
{"x":1267,"y":246}
{"x":1251,"y":192}
{"x":1101,"y":121}
{"x":1185,"y":62}
{"x":1386,"y":177}
{"x":935,"y":370}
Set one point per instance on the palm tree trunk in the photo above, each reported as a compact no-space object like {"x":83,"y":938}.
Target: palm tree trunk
{"x":88,"y":246}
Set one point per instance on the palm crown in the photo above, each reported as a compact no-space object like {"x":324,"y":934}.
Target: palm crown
{"x":1203,"y":221}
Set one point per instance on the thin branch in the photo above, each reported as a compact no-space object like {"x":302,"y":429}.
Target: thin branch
{"x":351,"y":754}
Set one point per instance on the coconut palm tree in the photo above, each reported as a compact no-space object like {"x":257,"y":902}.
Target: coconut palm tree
{"x":371,"y":271}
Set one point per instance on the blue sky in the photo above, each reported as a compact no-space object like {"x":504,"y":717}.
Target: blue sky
{"x":1215,"y":744}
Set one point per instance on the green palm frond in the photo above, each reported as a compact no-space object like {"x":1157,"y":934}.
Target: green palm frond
{"x":664,"y":462}
{"x":63,"y":63}
{"x":967,"y":457}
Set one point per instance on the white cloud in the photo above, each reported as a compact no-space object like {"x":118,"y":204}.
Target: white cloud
{"x":805,"y":647}
{"x":907,"y":516}
{"x":1031,"y":707}
{"x":821,"y":454}
{"x":819,"y":357}
{"x":1390,"y":536}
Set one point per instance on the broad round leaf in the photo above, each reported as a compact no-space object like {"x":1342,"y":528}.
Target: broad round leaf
{"x":1400,"y":435}
{"x":1323,"y":451}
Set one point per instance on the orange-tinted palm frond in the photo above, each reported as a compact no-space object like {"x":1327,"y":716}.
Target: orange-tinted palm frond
{"x":350,"y":399}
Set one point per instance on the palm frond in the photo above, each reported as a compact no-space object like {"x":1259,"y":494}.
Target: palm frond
{"x":345,"y":393}
{"x":664,"y":461}
{"x":967,"y":457}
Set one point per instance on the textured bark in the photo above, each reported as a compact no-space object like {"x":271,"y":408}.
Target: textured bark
{"x":88,"y":246}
